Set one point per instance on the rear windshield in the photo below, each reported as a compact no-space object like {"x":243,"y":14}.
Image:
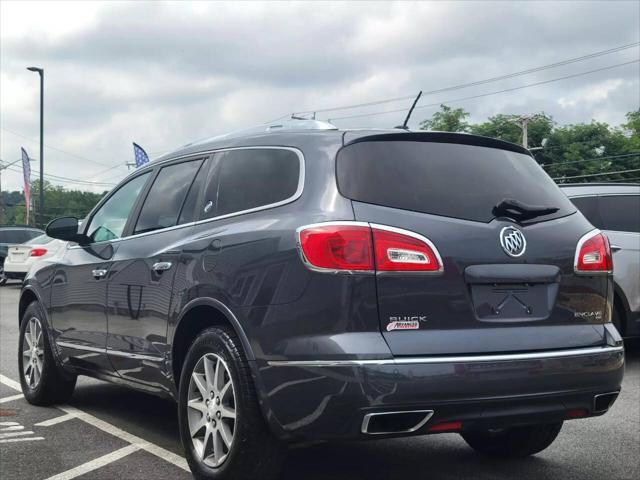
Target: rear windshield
{"x":17,"y":235}
{"x":40,"y":240}
{"x":460,"y":181}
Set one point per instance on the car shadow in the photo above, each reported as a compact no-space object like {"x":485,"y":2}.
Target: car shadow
{"x":435,"y":457}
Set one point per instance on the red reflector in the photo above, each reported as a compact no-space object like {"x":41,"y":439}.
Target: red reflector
{"x":593,"y":254}
{"x":446,"y":427}
{"x":401,"y":252}
{"x":337,"y":247}
{"x":37,"y":252}
{"x":576,"y":413}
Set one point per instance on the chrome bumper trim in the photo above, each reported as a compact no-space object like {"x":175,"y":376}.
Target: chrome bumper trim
{"x":578,"y":352}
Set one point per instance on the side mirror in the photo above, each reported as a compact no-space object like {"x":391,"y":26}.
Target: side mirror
{"x":66,"y":228}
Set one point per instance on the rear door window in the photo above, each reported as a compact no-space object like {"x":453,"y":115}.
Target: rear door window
{"x":589,"y":208}
{"x":453,"y":180}
{"x":620,"y":213}
{"x":162,"y":207}
{"x":251,"y":178}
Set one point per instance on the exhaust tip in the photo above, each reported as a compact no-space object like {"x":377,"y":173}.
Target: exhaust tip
{"x":388,"y":423}
{"x":603,"y":401}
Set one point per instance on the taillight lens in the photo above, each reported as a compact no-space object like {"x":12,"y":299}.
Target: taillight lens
{"x":37,"y":252}
{"x":593,"y":254}
{"x":359,"y":247}
{"x":403,"y":252}
{"x":337,"y":247}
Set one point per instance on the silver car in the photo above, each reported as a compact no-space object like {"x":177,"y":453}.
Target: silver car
{"x":615,"y":209}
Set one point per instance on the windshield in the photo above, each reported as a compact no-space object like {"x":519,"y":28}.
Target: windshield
{"x":453,"y":180}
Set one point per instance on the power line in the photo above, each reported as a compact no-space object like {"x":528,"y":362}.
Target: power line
{"x":61,"y":179}
{"x":597,"y":174}
{"x":478,"y":82}
{"x":491,"y":93}
{"x":591,"y":159}
{"x":629,"y":179}
{"x":59,"y":149}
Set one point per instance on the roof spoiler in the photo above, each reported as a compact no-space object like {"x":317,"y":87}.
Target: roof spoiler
{"x":441,"y":137}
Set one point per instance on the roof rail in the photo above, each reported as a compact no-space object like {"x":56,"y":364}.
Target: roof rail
{"x":292,"y":124}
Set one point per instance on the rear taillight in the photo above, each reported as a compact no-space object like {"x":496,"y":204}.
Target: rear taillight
{"x":37,"y":252}
{"x":338,"y":247}
{"x":359,"y":247}
{"x":402,"y":251}
{"x":593,"y":254}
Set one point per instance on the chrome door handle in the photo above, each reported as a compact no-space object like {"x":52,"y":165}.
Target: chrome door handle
{"x":161,"y":266}
{"x":99,"y":272}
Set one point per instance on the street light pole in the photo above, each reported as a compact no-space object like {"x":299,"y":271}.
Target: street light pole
{"x":41,"y":209}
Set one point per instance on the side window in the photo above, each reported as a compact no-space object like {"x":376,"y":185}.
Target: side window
{"x":109,"y":221}
{"x":620,"y":213}
{"x":589,"y":208}
{"x":251,"y":178}
{"x":164,"y":202}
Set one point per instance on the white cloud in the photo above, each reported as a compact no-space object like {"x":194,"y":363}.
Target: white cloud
{"x":165,"y":74}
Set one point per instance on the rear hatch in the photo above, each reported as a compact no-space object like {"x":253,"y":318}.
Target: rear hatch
{"x":499,"y":291}
{"x":18,"y":254}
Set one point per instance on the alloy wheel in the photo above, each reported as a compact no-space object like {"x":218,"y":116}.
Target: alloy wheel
{"x":211,"y":410}
{"x":33,"y":353}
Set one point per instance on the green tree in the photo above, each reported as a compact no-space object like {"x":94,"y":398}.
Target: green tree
{"x":588,"y":149}
{"x":58,"y":201}
{"x":505,"y":128}
{"x":447,"y":120}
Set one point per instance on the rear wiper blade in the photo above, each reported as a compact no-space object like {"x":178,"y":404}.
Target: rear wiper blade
{"x":517,"y":210}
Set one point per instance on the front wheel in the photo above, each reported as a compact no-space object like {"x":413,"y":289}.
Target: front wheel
{"x":222,"y":428}
{"x":513,"y":442}
{"x":42,"y":381}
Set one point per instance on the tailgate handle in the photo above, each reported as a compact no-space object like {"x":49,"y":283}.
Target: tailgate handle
{"x":512,"y":273}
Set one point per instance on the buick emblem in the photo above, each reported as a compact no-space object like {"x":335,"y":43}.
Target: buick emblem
{"x":512,"y":241}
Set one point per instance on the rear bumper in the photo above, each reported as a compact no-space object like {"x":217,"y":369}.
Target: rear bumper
{"x":310,"y":400}
{"x":15,"y":275}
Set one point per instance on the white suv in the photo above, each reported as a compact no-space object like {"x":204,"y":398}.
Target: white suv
{"x":615,"y":209}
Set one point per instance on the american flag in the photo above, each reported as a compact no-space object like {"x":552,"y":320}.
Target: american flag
{"x":140,"y":154}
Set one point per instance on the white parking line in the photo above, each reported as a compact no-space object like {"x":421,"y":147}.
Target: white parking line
{"x":95,"y":464}
{"x":11,"y":398}
{"x":55,"y":421}
{"x":13,"y":440}
{"x":10,"y":383}
{"x":136,"y":441}
{"x":156,"y":450}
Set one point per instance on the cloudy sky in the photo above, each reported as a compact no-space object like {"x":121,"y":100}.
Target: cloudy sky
{"x":165,"y":74}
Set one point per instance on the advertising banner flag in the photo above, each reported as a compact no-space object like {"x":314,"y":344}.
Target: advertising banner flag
{"x":26,"y":172}
{"x":140,"y":155}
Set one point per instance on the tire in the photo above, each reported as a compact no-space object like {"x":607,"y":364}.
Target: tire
{"x":43,"y":381}
{"x":515,"y":442}
{"x":253,"y":451}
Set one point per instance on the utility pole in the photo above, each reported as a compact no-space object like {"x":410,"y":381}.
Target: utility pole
{"x":41,"y":209}
{"x":523,"y":122}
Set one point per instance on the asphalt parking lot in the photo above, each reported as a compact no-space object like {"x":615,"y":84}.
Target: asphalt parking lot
{"x":108,"y":432}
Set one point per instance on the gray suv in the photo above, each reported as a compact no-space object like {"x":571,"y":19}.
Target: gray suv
{"x":297,"y":282}
{"x":615,"y":209}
